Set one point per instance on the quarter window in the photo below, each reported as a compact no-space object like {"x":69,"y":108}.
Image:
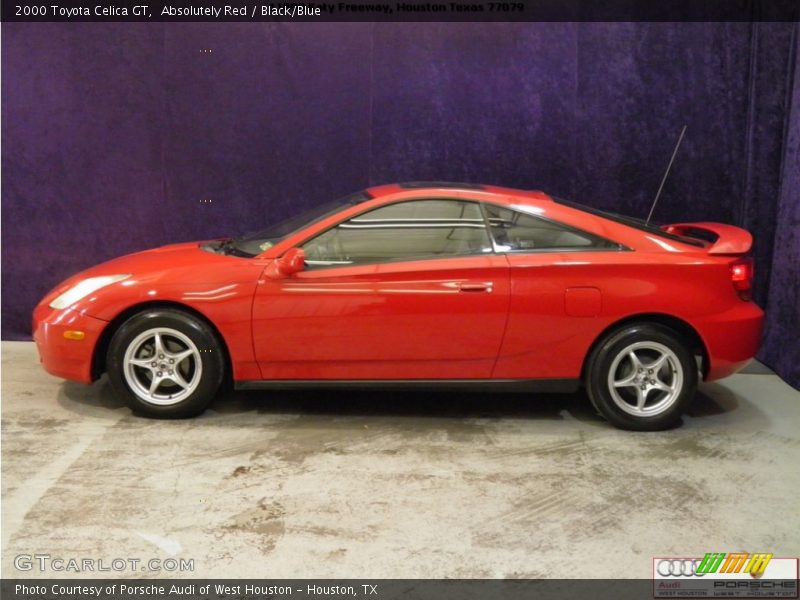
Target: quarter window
{"x":516,"y":231}
{"x":412,"y":230}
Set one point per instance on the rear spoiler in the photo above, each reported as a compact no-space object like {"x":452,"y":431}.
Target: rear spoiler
{"x":721,"y":238}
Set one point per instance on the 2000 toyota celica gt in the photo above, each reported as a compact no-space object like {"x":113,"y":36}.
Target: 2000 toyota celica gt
{"x":419,"y":285}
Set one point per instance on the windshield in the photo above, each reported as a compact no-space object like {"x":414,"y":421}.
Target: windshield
{"x":256,"y":242}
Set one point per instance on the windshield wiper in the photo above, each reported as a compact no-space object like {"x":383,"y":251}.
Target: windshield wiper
{"x":226,"y":246}
{"x":229,"y":247}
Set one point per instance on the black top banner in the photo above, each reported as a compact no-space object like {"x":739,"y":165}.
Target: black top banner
{"x":400,"y":10}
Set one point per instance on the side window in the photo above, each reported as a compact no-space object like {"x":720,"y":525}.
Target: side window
{"x":514,"y":230}
{"x":410,"y":230}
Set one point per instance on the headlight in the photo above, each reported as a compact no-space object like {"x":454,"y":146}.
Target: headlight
{"x":85,"y":287}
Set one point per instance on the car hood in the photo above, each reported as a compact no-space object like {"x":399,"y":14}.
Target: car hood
{"x":173,"y":259}
{"x":172,"y":266}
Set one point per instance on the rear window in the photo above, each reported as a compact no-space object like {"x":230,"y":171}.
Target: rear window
{"x":639,"y":224}
{"x":520,"y":232}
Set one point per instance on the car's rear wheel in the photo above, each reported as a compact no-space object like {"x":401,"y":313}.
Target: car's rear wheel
{"x":642,"y":377}
{"x":165,"y":363}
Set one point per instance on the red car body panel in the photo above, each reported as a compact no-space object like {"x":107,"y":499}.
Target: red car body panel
{"x":404,"y":320}
{"x":525,"y":315}
{"x":220,"y":288}
{"x":68,"y":359}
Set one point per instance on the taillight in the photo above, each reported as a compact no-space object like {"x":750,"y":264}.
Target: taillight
{"x":742,"y":277}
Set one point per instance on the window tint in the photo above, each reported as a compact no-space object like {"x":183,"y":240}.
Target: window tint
{"x":404,"y":231}
{"x":514,"y":230}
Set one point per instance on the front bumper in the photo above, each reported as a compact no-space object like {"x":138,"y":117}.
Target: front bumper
{"x":62,"y":357}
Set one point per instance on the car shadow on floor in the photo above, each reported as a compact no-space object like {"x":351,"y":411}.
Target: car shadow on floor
{"x":417,"y":403}
{"x":99,"y":399}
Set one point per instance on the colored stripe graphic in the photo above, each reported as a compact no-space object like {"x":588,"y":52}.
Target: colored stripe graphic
{"x":712,"y":562}
{"x":734,"y":562}
{"x":758,"y":563}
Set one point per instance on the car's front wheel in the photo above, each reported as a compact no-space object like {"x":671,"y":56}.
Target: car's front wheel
{"x":642,"y":377}
{"x":165,"y":363}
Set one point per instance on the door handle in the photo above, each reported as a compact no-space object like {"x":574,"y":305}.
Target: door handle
{"x":475,"y":287}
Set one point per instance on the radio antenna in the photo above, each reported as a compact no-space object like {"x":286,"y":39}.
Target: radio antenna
{"x":666,"y":174}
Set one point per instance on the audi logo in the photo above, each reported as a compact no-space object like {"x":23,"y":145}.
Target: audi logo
{"x":679,"y":567}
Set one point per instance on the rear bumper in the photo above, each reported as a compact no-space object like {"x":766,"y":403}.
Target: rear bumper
{"x":732,"y":339}
{"x":66,"y":358}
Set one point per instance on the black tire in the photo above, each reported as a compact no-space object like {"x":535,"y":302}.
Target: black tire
{"x":179,"y":333}
{"x":629,"y":351}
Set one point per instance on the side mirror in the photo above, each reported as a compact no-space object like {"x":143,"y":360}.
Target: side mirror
{"x":293,"y":261}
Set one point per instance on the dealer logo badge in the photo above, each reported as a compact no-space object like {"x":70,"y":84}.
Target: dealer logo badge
{"x":726,"y":575}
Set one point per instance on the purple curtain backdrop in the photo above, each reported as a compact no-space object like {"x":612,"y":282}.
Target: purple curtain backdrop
{"x":112,"y":134}
{"x":782,"y":333}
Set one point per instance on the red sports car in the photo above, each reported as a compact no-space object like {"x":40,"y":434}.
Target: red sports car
{"x":419,"y":285}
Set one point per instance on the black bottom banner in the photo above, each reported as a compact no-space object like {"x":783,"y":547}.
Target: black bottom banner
{"x":384,"y":589}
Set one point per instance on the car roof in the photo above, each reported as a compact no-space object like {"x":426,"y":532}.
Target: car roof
{"x":448,"y":187}
{"x":615,"y":226}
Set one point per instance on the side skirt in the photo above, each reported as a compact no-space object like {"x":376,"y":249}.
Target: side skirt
{"x":540,"y":386}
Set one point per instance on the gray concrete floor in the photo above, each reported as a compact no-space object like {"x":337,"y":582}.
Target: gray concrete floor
{"x":320,"y":484}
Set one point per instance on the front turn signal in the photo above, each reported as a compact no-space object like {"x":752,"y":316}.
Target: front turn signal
{"x":74,"y":335}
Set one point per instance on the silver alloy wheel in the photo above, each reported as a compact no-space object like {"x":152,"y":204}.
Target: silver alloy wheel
{"x":645,"y":379}
{"x":162,"y":366}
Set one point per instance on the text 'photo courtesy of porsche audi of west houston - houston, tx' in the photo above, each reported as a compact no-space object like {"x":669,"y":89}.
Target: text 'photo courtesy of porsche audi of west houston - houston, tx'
{"x":419,"y":285}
